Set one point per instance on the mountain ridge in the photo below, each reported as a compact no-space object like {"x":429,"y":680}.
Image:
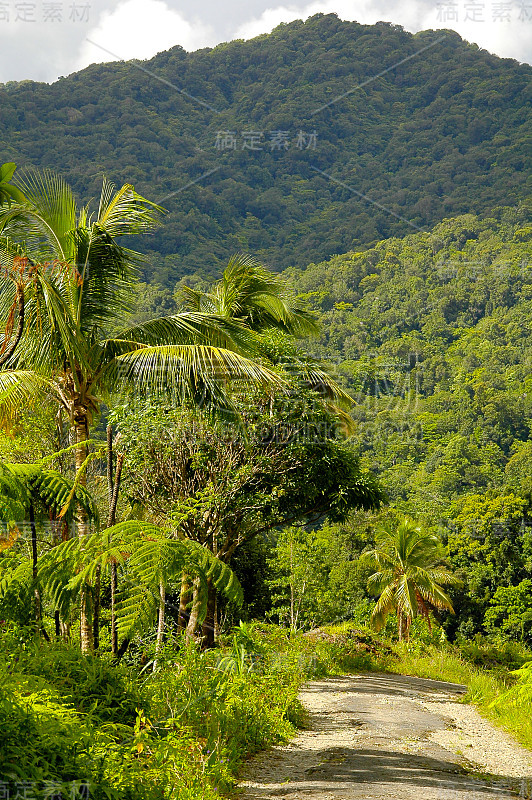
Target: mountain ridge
{"x":441,"y":133}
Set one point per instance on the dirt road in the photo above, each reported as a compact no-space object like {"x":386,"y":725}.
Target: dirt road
{"x":390,"y":737}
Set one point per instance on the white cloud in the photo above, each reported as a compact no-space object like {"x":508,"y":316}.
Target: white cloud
{"x":140,"y":29}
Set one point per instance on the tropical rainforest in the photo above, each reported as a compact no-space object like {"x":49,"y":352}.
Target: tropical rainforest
{"x":265,"y":409}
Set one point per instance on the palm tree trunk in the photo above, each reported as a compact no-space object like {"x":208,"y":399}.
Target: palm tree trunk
{"x":96,"y":591}
{"x":82,"y":523}
{"x":185,"y":598}
{"x":114,"y":488}
{"x":400,"y":621}
{"x":408,"y":621}
{"x":194,"y":619}
{"x":209,"y":625}
{"x":114,"y":628}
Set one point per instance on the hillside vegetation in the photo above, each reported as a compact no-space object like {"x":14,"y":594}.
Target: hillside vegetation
{"x":431,"y":334}
{"x":447,"y":131}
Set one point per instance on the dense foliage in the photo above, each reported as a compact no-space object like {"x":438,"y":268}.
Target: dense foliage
{"x":431,"y":334}
{"x":78,"y":726}
{"x":444,"y":132}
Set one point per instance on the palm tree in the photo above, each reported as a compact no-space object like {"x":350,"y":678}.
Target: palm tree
{"x":8,"y":192}
{"x":409,"y":575}
{"x":82,"y":283}
{"x":250,"y":293}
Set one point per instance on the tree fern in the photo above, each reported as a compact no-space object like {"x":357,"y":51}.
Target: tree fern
{"x":149,"y":557}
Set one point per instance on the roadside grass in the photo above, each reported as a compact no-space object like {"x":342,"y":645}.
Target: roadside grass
{"x":179,"y":729}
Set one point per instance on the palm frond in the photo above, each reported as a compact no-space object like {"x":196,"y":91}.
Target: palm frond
{"x":45,"y":220}
{"x":385,"y":604}
{"x":188,"y":372}
{"x":405,"y":593}
{"x":124,"y":212}
{"x":252,"y":294}
{"x":190,"y":327}
{"x":20,"y":389}
{"x":9,"y":192}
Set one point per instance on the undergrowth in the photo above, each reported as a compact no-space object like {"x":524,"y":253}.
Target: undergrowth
{"x":179,"y":727}
{"x":131,"y":732}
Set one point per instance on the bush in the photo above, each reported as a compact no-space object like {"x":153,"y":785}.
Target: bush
{"x":177,"y":733}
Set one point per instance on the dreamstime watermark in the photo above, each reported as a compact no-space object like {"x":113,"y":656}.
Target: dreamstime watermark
{"x":44,"y":790}
{"x":274,"y":141}
{"x":448,"y":270}
{"x":496,"y":11}
{"x":26,"y":11}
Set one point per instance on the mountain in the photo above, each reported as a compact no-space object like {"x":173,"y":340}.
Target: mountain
{"x":432,"y":335}
{"x":427,"y":126}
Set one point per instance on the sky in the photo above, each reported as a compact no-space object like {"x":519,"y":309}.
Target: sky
{"x":44,"y":39}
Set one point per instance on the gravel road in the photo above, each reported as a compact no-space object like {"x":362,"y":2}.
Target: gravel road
{"x":390,"y":737}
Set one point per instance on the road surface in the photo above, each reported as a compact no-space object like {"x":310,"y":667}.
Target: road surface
{"x":390,"y":737}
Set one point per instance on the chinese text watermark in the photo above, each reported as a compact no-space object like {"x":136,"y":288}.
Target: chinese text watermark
{"x":45,"y":11}
{"x":495,"y":11}
{"x":265,"y":140}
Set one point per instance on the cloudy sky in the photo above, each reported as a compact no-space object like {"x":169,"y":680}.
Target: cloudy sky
{"x":43,"y":39}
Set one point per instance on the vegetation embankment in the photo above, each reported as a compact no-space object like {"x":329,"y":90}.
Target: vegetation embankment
{"x":182,"y":730}
{"x":124,"y":731}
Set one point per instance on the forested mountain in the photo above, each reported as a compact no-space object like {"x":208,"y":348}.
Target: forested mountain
{"x":443,"y":129}
{"x":432,"y":335}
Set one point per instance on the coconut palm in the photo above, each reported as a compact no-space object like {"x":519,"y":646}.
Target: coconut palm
{"x":82,"y":284}
{"x":8,"y":192}
{"x":409,"y":576}
{"x":249,"y":293}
